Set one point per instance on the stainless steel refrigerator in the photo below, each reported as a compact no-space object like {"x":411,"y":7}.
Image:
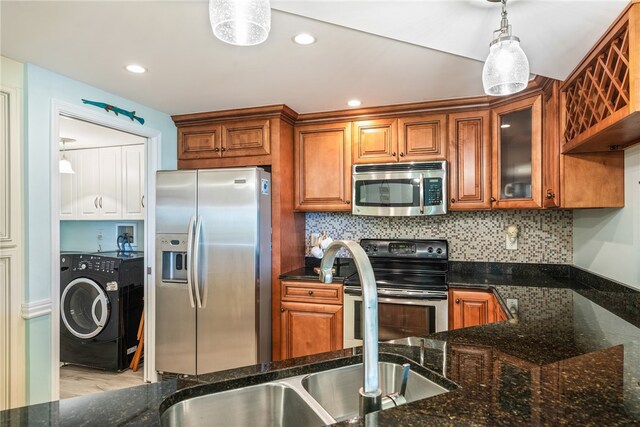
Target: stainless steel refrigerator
{"x":213,"y":255}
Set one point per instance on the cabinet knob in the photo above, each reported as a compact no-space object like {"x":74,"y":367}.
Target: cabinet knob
{"x":550,"y":195}
{"x":393,"y":154}
{"x":453,"y":200}
{"x":401,"y":154}
{"x":493,"y":199}
{"x":281,"y":310}
{"x":216,"y":149}
{"x":310,"y":292}
{"x":348,"y":202}
{"x":457,"y":300}
{"x":223,"y":149}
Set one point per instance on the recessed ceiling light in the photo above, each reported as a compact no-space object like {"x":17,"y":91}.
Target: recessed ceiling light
{"x":505,"y":125}
{"x":134,"y":68}
{"x":354,"y":103}
{"x":304,"y":39}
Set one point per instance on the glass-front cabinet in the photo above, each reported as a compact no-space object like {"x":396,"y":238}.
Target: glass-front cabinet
{"x":517,"y":154}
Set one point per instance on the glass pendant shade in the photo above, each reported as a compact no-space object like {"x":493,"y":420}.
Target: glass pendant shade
{"x":65,"y":166}
{"x":240,"y":22}
{"x":506,"y":69}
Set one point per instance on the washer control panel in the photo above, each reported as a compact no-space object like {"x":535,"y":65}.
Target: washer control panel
{"x":95,"y":263}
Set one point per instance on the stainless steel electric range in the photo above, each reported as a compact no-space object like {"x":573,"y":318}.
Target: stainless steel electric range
{"x":411,"y":276}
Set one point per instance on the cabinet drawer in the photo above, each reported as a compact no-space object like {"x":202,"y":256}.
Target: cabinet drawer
{"x":311,"y":292}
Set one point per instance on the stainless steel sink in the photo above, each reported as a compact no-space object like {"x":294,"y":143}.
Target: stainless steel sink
{"x":305,"y":400}
{"x":336,"y":390}
{"x":270,"y":404}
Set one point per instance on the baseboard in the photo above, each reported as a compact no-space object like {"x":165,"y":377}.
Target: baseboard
{"x":34,"y":309}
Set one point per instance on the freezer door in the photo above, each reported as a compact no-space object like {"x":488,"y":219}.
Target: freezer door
{"x":175,"y":201}
{"x":227,"y":256}
{"x":175,"y":299}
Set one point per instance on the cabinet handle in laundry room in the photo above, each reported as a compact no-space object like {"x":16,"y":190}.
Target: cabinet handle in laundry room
{"x":95,"y":202}
{"x":142,"y":201}
{"x":100,"y":202}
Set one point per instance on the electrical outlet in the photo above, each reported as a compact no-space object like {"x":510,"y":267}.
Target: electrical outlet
{"x":512,"y":305}
{"x":100,"y":235}
{"x":511,"y":244}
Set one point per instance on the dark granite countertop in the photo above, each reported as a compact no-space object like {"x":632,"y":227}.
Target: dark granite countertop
{"x":571,"y":357}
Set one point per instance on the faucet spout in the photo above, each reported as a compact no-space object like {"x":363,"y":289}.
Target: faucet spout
{"x":370,"y":394}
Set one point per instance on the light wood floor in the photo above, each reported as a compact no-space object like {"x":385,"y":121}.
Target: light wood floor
{"x":80,"y":381}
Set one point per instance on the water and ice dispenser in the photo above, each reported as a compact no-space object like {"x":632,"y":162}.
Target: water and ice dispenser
{"x":173,"y":258}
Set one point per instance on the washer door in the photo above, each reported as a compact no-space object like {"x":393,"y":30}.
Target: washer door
{"x":84,"y":307}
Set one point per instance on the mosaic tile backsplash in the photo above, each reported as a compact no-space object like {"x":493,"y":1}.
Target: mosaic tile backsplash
{"x":545,"y":235}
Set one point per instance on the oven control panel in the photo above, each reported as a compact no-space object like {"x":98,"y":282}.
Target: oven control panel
{"x":436,"y":249}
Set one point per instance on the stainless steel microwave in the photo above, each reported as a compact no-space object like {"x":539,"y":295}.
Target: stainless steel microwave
{"x":400,"y":189}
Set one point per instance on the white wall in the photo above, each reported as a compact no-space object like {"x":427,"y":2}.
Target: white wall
{"x":607,"y":241}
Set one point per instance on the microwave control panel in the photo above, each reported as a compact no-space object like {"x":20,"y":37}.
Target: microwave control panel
{"x":432,"y":191}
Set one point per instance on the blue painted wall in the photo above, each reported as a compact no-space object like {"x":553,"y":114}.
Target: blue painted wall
{"x":82,"y":236}
{"x":41,"y":87}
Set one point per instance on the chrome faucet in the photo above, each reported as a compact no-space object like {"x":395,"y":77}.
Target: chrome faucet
{"x":370,"y":394}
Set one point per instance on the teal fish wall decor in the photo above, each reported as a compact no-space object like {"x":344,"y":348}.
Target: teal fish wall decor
{"x":107,"y":107}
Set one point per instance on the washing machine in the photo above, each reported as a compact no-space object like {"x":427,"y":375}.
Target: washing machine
{"x":101,"y":301}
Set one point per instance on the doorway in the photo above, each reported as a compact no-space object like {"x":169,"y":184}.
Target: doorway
{"x":101,"y":226}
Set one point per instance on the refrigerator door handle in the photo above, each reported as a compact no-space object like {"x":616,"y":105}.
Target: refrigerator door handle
{"x":190,"y":258}
{"x":196,"y":261}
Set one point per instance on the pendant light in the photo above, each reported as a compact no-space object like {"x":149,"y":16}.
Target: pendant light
{"x":506,"y":69}
{"x":240,"y":22}
{"x":65,"y":165}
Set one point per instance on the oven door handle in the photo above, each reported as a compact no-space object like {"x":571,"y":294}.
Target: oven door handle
{"x":385,"y":293}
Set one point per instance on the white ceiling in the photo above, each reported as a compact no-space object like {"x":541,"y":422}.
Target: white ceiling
{"x":382,"y":52}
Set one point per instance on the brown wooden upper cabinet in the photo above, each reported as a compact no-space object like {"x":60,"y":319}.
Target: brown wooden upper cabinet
{"x":422,"y":138}
{"x":322,"y":167}
{"x":407,"y":139}
{"x":375,"y":141}
{"x":234,"y":139}
{"x":469,"y":161}
{"x":517,"y":154}
{"x":199,"y":142}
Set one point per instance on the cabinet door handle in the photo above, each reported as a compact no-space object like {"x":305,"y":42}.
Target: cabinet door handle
{"x":142,"y":201}
{"x":310,"y":292}
{"x":348,"y":202}
{"x":401,"y":154}
{"x":453,"y":200}
{"x":493,"y":199}
{"x":550,"y":195}
{"x":223,"y":149}
{"x":216,"y":149}
{"x":393,"y":154}
{"x":100,"y":202}
{"x":457,"y":300}
{"x":95,"y":202}
{"x":281,"y":309}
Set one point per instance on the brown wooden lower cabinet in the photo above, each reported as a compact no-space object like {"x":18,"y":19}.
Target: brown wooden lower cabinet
{"x":311,"y":318}
{"x":472,"y":308}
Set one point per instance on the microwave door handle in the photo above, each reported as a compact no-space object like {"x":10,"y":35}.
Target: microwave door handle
{"x":190,"y":258}
{"x":196,"y":261}
{"x":421,"y":193}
